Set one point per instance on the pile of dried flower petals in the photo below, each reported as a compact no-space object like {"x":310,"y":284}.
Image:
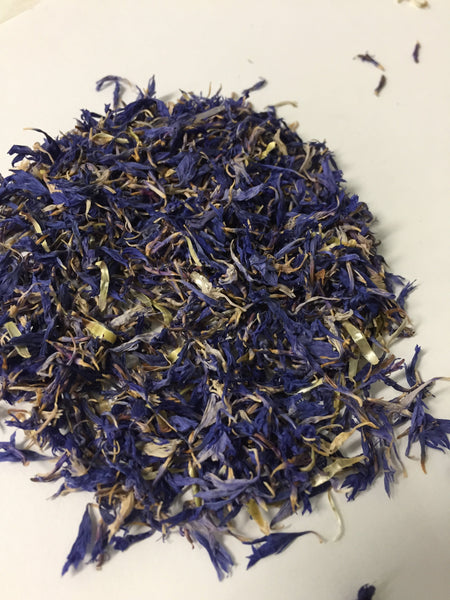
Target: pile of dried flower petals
{"x":193,"y":314}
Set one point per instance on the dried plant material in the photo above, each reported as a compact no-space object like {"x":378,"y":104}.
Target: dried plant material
{"x":366,"y":592}
{"x":381,"y":85}
{"x":193,"y":316}
{"x":370,"y":59}
{"x":418,"y":3}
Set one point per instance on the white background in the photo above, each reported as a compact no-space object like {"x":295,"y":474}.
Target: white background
{"x":395,"y":153}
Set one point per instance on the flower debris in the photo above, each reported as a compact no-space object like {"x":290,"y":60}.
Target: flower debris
{"x":368,"y":58}
{"x":381,"y":85}
{"x":416,"y":52}
{"x":193,"y":315}
{"x":418,"y":3}
{"x":366,"y":592}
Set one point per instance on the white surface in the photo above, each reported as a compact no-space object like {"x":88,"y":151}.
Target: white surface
{"x":12,"y":8}
{"x":394,"y":152}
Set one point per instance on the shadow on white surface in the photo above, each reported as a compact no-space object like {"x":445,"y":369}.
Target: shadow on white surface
{"x":12,"y":8}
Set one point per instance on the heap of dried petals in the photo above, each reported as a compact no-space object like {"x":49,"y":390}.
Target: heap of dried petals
{"x":193,"y":315}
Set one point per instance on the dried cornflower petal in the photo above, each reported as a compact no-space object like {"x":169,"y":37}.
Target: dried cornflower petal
{"x":193,"y":315}
{"x":366,"y":592}
{"x":370,"y":59}
{"x":418,"y":3}
{"x":381,"y":85}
